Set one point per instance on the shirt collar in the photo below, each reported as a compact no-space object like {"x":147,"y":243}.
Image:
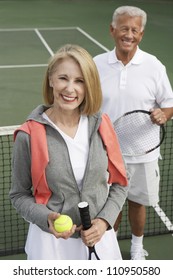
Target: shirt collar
{"x":137,"y":58}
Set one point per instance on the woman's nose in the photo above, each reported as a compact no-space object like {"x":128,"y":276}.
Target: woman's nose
{"x":70,"y":87}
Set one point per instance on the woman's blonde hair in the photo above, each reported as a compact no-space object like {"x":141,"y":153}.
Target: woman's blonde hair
{"x":93,"y":95}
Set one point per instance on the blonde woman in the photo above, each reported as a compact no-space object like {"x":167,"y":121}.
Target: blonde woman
{"x":60,"y":159}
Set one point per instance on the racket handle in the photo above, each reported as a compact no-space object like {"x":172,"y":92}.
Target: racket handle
{"x":84,"y":214}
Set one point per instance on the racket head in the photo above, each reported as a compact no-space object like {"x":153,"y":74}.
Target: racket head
{"x":137,"y":134}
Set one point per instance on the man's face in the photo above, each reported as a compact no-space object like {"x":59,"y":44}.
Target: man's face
{"x":127,"y":34}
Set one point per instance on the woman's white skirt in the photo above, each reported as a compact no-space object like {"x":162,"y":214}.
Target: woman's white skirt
{"x":41,"y":245}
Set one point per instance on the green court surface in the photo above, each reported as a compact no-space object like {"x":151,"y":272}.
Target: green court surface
{"x":159,"y":246}
{"x":30,"y":32}
{"x":21,"y":23}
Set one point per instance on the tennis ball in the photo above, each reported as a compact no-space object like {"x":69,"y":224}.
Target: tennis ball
{"x":63,"y":223}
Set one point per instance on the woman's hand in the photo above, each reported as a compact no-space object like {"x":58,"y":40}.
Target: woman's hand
{"x":66,"y":234}
{"x":94,"y":234}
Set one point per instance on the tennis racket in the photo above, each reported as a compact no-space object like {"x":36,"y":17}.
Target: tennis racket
{"x":137,"y":134}
{"x":86,"y":222}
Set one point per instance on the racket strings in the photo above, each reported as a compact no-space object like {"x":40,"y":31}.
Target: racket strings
{"x":137,"y":134}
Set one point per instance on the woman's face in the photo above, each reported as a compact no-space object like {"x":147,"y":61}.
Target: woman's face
{"x":68,"y":85}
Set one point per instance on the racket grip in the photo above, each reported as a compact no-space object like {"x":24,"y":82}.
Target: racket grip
{"x":84,"y":214}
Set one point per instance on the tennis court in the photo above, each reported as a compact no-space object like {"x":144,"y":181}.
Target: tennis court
{"x":30,"y":32}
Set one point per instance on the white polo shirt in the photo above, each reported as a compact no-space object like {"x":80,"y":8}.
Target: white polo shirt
{"x":141,"y":84}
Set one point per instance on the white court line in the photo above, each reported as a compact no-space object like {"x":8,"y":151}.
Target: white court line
{"x":163,"y":217}
{"x":22,"y":66}
{"x":44,"y":42}
{"x":92,"y":39}
{"x":39,"y":28}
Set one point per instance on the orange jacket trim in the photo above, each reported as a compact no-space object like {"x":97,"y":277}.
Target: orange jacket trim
{"x":116,"y":167}
{"x":39,"y":151}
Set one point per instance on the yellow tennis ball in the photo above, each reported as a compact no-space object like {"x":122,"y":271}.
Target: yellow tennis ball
{"x":63,"y":223}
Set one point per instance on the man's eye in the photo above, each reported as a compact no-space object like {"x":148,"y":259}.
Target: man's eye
{"x":124,"y":29}
{"x":135,"y":31}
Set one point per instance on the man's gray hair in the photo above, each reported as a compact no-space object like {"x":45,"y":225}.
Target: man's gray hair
{"x":131,"y":11}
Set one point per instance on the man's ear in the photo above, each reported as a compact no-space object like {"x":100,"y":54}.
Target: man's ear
{"x":142,"y":34}
{"x":112,"y":30}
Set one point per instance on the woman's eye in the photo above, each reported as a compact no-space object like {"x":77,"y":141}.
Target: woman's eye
{"x":62,"y":78}
{"x":80,"y":81}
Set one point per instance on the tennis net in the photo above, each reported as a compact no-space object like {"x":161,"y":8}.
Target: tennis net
{"x":14,"y":228}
